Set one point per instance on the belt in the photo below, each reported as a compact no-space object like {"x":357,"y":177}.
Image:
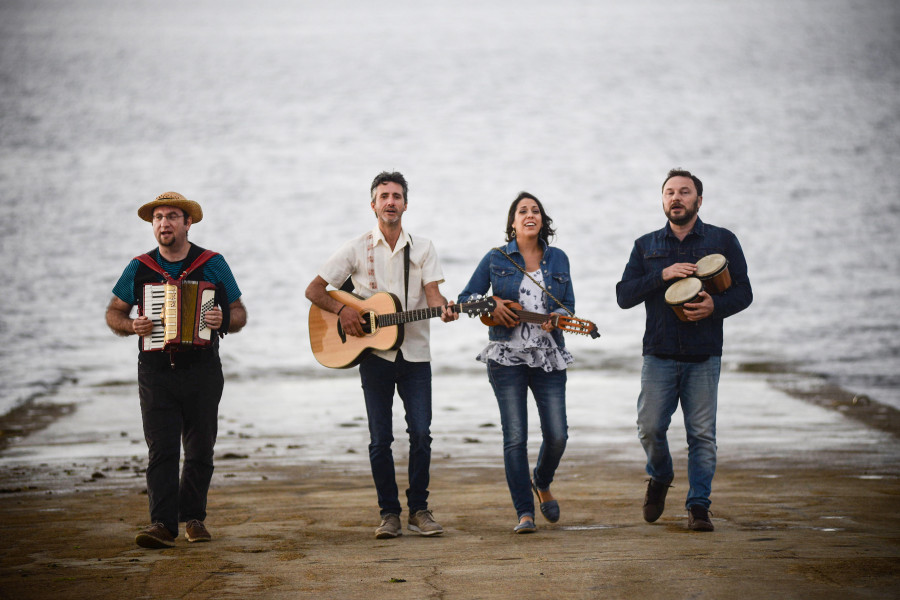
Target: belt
{"x":177,"y":361}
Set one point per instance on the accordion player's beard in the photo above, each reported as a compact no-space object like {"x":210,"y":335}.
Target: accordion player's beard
{"x":168,"y":239}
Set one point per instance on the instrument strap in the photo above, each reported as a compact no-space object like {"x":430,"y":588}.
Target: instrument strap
{"x":571,"y":314}
{"x":406,"y":273}
{"x":198,"y":262}
{"x":150,"y":262}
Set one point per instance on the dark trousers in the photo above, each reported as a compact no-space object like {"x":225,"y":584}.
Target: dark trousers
{"x":179,"y":406}
{"x":412,"y":381}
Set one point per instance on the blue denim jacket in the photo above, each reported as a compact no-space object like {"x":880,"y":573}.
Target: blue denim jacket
{"x":503,"y":278}
{"x":642,"y":281}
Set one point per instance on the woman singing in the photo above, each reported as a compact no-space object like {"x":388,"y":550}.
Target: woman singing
{"x":521,"y":355}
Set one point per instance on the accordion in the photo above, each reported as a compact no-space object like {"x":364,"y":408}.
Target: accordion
{"x":177,"y":310}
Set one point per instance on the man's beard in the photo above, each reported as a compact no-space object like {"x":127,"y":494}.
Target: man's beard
{"x":689,"y":213}
{"x":171,"y":241}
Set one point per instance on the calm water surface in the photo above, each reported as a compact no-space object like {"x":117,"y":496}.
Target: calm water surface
{"x":275,"y":116}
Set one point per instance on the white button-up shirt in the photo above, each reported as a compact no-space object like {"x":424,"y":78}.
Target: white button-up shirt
{"x":386,"y":275}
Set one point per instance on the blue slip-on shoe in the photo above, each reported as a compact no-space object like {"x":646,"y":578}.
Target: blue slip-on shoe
{"x":526,"y":526}
{"x":549,"y":509}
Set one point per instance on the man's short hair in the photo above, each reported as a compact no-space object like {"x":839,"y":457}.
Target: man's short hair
{"x":390,"y":177}
{"x":682,"y":173}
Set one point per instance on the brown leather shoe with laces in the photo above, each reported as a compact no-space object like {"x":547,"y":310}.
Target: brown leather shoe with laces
{"x":155,"y":536}
{"x":195,"y":531}
{"x":698,"y":519}
{"x":655,"y":499}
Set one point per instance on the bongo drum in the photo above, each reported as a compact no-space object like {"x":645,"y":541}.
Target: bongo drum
{"x":713,"y":272}
{"x":681,"y":292}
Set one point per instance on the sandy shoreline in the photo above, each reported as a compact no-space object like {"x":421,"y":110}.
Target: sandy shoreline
{"x":787,"y":531}
{"x":804,"y":504}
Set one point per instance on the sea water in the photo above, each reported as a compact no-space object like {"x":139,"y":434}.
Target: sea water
{"x":275,"y":115}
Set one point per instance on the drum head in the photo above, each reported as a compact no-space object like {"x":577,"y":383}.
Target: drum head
{"x":711,"y":264}
{"x":683,"y":290}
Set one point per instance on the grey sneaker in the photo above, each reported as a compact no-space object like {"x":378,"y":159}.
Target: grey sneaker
{"x":390,"y":527}
{"x":155,"y":536}
{"x":196,"y":531}
{"x":423,"y":523}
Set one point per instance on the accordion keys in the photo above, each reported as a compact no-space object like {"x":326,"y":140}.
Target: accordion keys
{"x":177,"y":311}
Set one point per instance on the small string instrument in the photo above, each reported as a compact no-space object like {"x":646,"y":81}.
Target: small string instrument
{"x":562,"y":322}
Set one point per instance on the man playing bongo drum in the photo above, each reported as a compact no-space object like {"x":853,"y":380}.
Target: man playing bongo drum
{"x":682,"y":358}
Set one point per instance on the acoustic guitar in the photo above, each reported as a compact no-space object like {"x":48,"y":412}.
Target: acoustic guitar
{"x":383,"y":328}
{"x":570,"y":324}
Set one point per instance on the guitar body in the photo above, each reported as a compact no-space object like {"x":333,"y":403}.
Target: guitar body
{"x":489,"y":319}
{"x":335,"y":349}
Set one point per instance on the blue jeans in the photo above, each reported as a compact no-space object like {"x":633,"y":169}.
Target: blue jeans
{"x":511,"y":384}
{"x":413,"y":384}
{"x":663,"y":383}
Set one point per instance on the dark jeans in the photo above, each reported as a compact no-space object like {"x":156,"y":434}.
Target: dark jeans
{"x":413,"y":384}
{"x":511,"y":385}
{"x":180,"y":405}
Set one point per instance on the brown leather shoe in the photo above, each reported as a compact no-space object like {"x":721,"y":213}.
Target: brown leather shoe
{"x":698,"y":519}
{"x":195,"y":531}
{"x":655,"y":499}
{"x":155,"y":536}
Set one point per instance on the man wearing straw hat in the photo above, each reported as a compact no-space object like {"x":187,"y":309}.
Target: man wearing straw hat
{"x":682,"y":356}
{"x":179,"y":390}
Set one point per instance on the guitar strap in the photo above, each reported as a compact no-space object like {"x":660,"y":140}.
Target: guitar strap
{"x":406,"y":274}
{"x":571,"y":314}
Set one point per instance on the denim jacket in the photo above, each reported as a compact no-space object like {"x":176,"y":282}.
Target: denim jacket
{"x":503,"y":278}
{"x":642,"y":281}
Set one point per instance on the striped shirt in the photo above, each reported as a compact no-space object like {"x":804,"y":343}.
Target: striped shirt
{"x":215,"y":271}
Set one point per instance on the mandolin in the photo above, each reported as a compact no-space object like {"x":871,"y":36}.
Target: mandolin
{"x":570,"y":324}
{"x":383,"y":328}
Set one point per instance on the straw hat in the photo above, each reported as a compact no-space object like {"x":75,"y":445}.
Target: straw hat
{"x":172,"y":199}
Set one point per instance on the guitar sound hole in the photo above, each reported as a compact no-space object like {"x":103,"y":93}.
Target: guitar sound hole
{"x":369,"y":318}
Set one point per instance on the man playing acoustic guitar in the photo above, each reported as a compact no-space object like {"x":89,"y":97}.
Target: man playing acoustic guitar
{"x":388,"y":259}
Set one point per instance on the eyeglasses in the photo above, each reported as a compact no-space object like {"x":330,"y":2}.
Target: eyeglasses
{"x":169,"y":217}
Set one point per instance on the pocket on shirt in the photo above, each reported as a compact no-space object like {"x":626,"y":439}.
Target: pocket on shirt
{"x":654,"y":253}
{"x":497,"y":271}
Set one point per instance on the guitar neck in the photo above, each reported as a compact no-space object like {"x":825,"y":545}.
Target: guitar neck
{"x":570,"y":324}
{"x":408,"y":316}
{"x":531,"y":317}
